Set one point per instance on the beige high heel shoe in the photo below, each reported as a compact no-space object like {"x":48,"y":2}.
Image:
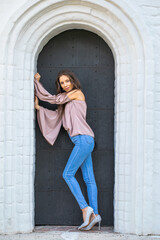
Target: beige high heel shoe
{"x":87,"y":220}
{"x":96,"y":220}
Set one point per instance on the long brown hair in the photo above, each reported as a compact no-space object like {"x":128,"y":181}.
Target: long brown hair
{"x":74,"y":80}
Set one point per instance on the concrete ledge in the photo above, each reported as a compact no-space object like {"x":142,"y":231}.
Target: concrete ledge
{"x":72,"y":233}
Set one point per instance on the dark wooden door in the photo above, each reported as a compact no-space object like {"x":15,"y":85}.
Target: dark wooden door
{"x":91,"y":59}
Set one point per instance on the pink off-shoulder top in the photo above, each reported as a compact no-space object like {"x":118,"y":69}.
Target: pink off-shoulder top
{"x":73,"y":118}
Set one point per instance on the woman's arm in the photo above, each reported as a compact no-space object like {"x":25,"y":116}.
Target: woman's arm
{"x":49,"y":122}
{"x":43,"y":95}
{"x":61,"y":98}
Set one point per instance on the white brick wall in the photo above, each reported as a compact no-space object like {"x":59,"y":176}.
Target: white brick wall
{"x":132,"y":30}
{"x":151,"y":13}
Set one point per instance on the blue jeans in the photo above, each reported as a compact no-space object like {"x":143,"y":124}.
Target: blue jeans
{"x":81,"y":157}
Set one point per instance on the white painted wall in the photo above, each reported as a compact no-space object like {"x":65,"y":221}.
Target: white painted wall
{"x":132,"y":30}
{"x":151,"y":13}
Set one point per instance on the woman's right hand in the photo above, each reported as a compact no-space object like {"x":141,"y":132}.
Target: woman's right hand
{"x":36,"y":103}
{"x":37,"y":76}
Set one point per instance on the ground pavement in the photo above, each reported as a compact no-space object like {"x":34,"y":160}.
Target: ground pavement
{"x":72,"y":233}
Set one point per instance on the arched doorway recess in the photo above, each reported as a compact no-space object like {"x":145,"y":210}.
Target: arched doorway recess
{"x":92,"y":61}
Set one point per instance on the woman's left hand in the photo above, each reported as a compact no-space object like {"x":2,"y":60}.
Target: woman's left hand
{"x":37,"y":76}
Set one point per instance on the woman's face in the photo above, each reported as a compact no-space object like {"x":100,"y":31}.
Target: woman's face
{"x":65,"y":83}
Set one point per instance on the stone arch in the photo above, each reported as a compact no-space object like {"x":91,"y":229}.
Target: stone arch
{"x":119,"y":25}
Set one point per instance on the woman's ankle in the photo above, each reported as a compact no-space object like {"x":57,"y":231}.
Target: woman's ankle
{"x":84,"y":209}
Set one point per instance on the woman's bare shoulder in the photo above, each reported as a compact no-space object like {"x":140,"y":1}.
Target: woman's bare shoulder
{"x":76,"y":95}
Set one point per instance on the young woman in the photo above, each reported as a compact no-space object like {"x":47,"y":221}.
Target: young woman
{"x":71,"y":113}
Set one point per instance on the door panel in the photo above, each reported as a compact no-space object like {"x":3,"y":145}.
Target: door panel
{"x":91,"y":59}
